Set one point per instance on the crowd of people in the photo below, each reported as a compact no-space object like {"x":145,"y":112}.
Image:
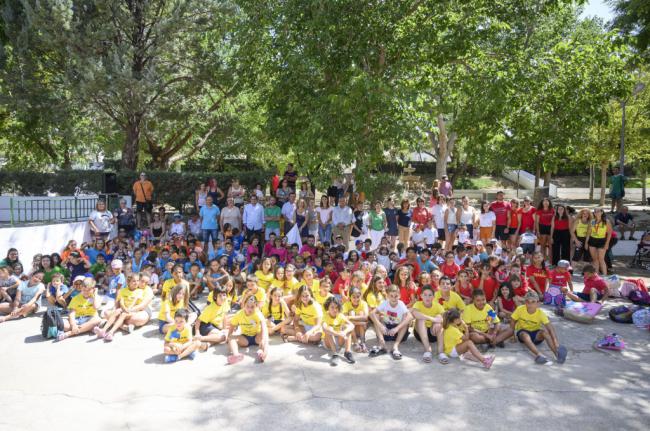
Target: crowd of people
{"x":464,"y":279}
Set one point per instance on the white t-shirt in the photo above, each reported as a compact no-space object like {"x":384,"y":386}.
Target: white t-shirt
{"x":467,"y":215}
{"x":102,"y":220}
{"x":463,"y":236}
{"x":486,"y":219}
{"x":438,"y":212}
{"x":418,"y":237}
{"x":324,"y":214}
{"x":430,"y":235}
{"x":528,"y":238}
{"x":392,"y":315}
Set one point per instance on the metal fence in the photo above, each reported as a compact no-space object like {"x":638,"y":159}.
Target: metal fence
{"x":48,"y":210}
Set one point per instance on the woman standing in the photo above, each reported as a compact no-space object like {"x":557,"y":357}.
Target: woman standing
{"x":304,"y":192}
{"x":324,"y":212}
{"x":579,"y":229}
{"x":487,"y":223}
{"x":391,"y":219}
{"x":302,"y":219}
{"x":543,"y":219}
{"x":231,"y":215}
{"x":236,"y":192}
{"x":527,"y":213}
{"x":560,"y":235}
{"x":358,"y":227}
{"x":451,"y":219}
{"x":467,"y":216}
{"x":404,"y":223}
{"x":214,"y":191}
{"x":378,"y":225}
{"x":199,"y":196}
{"x":598,"y":237}
{"x":515,"y":224}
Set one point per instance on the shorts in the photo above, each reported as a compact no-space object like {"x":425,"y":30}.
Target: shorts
{"x":432,"y":338}
{"x":161,"y":325}
{"x":513,"y":231}
{"x":146,"y":207}
{"x":585,"y":296}
{"x":544,"y":229}
{"x":307,"y":327}
{"x":532,"y":334}
{"x":206,"y":328}
{"x":82,"y":319}
{"x":451,"y":228}
{"x":617,"y":195}
{"x":597,"y":242}
{"x":528,"y":248}
{"x":101,"y":235}
{"x":441,"y":234}
{"x":209,"y":234}
{"x":250,"y":339}
{"x":394,"y":337}
{"x":500,"y":234}
{"x":276,"y":322}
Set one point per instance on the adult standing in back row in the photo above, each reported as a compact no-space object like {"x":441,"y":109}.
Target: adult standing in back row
{"x":143,"y":191}
{"x":502,"y":211}
{"x":617,"y":189}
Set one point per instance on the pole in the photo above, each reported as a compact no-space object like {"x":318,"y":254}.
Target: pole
{"x":621,"y":161}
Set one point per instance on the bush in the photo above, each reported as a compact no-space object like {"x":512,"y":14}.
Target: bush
{"x":173,"y":188}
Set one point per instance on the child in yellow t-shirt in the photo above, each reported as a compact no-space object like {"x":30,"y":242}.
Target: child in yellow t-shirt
{"x":323,"y":292}
{"x":428,"y":324}
{"x":211,"y":323}
{"x":82,"y":311}
{"x":457,"y":341}
{"x":252,"y":289}
{"x":308,"y":317}
{"x":356,"y":310}
{"x":178,"y":298}
{"x":484,"y":324}
{"x":127,"y":299}
{"x":253,"y":332}
{"x":178,"y":341}
{"x":277,"y":314}
{"x":338,"y":331}
{"x":532,"y":327}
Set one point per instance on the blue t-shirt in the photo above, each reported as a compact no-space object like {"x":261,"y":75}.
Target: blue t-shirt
{"x":64,"y":289}
{"x":237,"y":242}
{"x":27,"y":292}
{"x":209,"y":216}
{"x":427,"y":266}
{"x":117,"y":282}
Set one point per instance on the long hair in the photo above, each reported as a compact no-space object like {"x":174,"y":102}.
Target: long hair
{"x":449,"y":316}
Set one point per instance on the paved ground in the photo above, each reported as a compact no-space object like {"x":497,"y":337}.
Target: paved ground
{"x":83,"y":384}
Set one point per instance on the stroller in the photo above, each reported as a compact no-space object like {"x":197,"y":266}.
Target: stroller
{"x":642,"y":256}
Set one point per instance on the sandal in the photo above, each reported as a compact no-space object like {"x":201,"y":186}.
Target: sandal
{"x":364,"y":348}
{"x":377,"y":351}
{"x":108,"y":337}
{"x":99,"y":332}
{"x":396,"y":355}
{"x":233,"y":359}
{"x":487,"y":362}
{"x":427,"y":357}
{"x":443,"y":359}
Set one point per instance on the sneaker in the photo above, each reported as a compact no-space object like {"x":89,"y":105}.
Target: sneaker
{"x":130,"y":328}
{"x":334,"y":360}
{"x":191,"y":356}
{"x":61,"y":336}
{"x":541,"y":360}
{"x":561,"y":354}
{"x":349,"y":358}
{"x":99,"y":332}
{"x":233,"y":359}
{"x":487,"y":363}
{"x":170,"y":358}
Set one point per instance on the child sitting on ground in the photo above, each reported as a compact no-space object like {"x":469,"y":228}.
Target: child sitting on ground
{"x":457,"y":339}
{"x":337,"y":330}
{"x":483,"y":322}
{"x":391,"y":319}
{"x":211,"y":323}
{"x":428,"y":324}
{"x":595,"y":289}
{"x":253,"y":332}
{"x":82,"y":311}
{"x":54,"y":293}
{"x":532,"y":327}
{"x":178,"y":341}
{"x":27,"y":298}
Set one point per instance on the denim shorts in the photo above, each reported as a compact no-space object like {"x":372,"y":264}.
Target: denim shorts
{"x":83,"y":319}
{"x":209,"y":234}
{"x":451,"y":228}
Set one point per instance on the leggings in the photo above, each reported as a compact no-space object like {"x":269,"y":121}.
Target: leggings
{"x":561,"y":248}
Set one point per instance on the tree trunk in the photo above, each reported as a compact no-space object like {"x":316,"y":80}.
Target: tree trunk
{"x":443,"y":150}
{"x":538,"y":172}
{"x":547,"y":178}
{"x":603,"y":181}
{"x":131,"y":148}
{"x":592,"y":171}
{"x":644,"y":178}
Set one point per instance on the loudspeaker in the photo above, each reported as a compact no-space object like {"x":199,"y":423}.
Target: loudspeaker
{"x":109,"y":182}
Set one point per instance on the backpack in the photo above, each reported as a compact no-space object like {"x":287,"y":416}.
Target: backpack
{"x":640,"y":297}
{"x":554,"y":296}
{"x":52,"y":323}
{"x":641,"y":318}
{"x":611,"y":342}
{"x":622,"y":313}
{"x":630,"y":285}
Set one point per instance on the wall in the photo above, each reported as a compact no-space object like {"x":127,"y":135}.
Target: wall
{"x":30,"y":240}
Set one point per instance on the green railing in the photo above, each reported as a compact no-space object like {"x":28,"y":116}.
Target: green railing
{"x":50,"y":210}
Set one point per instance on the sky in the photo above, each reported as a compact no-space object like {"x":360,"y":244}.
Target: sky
{"x":598,"y":8}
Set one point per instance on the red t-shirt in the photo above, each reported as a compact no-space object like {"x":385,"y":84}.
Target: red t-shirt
{"x":558,"y":278}
{"x":466,"y":291}
{"x":450,"y":271}
{"x":514,"y":219}
{"x":595,"y":282}
{"x":416,"y":268}
{"x":341,"y":286}
{"x":421,"y":215}
{"x":501,"y":210}
{"x":545,"y":216}
{"x":490,"y":287}
{"x":527,"y":219}
{"x":561,"y":224}
{"x":405,"y":293}
{"x":540,"y":275}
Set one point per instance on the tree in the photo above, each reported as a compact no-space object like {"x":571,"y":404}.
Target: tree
{"x":633,"y":19}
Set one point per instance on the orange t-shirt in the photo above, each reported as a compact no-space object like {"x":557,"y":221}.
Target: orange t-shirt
{"x":143,"y":191}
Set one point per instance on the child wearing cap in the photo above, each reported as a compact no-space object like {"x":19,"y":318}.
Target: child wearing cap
{"x":532,"y":327}
{"x":561,"y":277}
{"x":595,"y":289}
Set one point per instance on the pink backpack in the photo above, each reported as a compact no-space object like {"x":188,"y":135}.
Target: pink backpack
{"x":629,"y":285}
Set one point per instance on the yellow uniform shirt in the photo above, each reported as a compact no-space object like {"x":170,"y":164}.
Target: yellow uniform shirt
{"x":335,"y":323}
{"x":455,"y":301}
{"x":321,"y":299}
{"x":250,"y":325}
{"x":479,"y":319}
{"x":291,"y":286}
{"x":168,"y":285}
{"x":315,"y":286}
{"x":373,"y":300}
{"x":278,"y":283}
{"x":309,"y":314}
{"x":452,"y":337}
{"x":215,"y":314}
{"x":435,"y":310}
{"x":527,"y":321}
{"x":277,"y":313}
{"x":168,"y":305}
{"x":82,"y":306}
{"x":130,"y":298}
{"x":180,"y":337}
{"x":360,"y":310}
{"x":264,"y":280}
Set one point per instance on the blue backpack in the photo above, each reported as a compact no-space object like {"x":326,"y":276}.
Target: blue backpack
{"x":554,"y":296}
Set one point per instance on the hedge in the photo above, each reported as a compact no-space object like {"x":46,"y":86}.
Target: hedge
{"x":173,"y":188}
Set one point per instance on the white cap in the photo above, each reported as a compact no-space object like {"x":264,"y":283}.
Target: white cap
{"x":116,"y":263}
{"x":519,"y":251}
{"x":479,"y":242}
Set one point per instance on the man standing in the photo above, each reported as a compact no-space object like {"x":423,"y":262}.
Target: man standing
{"x":625,"y":223}
{"x":253,"y":219}
{"x":502,"y":211}
{"x":291,"y":176}
{"x":289,"y":212}
{"x":209,"y":222}
{"x":342,"y":220}
{"x":272,"y":214}
{"x":445,"y":187}
{"x":143,"y":191}
{"x":617,"y":189}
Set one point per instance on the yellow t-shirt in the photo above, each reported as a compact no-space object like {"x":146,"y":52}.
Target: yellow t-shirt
{"x":250,"y":325}
{"x":168,"y":305}
{"x":215,"y":314}
{"x":452,"y":337}
{"x":479,"y":319}
{"x":231,"y":297}
{"x":527,"y":321}
{"x":435,"y":310}
{"x":336,"y":323}
{"x":309,"y":314}
{"x":180,"y":337}
{"x":83,"y":307}
{"x":455,"y":301}
{"x":321,"y":299}
{"x":278,"y":283}
{"x":264,"y":280}
{"x":315,"y":286}
{"x":168,"y":285}
{"x":130,"y":298}
{"x":360,"y":310}
{"x":291,"y":286}
{"x":277,"y":313}
{"x":373,"y":300}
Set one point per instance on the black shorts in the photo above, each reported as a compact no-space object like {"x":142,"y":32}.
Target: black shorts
{"x":500,"y":234}
{"x":544,"y":229}
{"x":441,"y":234}
{"x":531,"y":334}
{"x":146,"y":207}
{"x":432,"y":338}
{"x":394,"y":337}
{"x":528,"y":248}
{"x":597,"y":242}
{"x":206,"y":328}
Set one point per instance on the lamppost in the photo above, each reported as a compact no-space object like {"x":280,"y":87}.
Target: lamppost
{"x":637,"y":89}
